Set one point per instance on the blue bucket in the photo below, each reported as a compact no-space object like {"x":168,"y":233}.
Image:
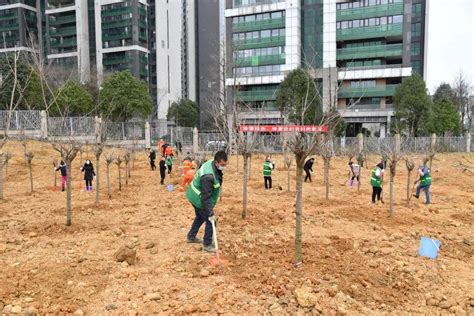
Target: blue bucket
{"x":429,"y":247}
{"x":170,"y":188}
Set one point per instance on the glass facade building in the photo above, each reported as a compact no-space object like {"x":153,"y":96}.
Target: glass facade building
{"x":362,"y":49}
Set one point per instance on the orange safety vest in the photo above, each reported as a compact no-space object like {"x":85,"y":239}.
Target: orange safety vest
{"x":187,"y":165}
{"x":188,"y":178}
{"x":169,"y":151}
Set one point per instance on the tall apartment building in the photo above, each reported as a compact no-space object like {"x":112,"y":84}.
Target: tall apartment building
{"x":188,"y":52}
{"x":361,"y":49}
{"x":19,"y":21}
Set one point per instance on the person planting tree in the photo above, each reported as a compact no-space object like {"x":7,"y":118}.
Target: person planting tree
{"x":268,"y":166}
{"x":376,"y":182}
{"x":203,"y":194}
{"x":62,"y":167}
{"x":424,"y":179}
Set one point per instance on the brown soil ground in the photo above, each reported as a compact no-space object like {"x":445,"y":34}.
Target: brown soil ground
{"x":356,"y":258}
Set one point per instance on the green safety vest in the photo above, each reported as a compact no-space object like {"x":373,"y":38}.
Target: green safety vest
{"x":193,"y":194}
{"x":374,"y":180}
{"x":169,"y":161}
{"x":267,"y":169}
{"x":426,"y":178}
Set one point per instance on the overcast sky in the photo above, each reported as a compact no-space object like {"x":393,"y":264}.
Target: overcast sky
{"x":450,"y":41}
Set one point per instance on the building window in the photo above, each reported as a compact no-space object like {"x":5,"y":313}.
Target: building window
{"x":416,"y":29}
{"x":363,"y":83}
{"x":416,"y":10}
{"x":416,"y":66}
{"x":398,"y":19}
{"x":415,"y":49}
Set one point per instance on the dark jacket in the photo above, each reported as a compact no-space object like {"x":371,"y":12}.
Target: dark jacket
{"x":63,"y":170}
{"x":162,"y":167}
{"x":152,"y":155}
{"x":308,"y":166}
{"x":88,"y":170}
{"x":207,"y":189}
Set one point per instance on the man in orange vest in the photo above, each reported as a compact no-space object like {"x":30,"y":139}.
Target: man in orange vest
{"x":169,"y":151}
{"x":187,"y":165}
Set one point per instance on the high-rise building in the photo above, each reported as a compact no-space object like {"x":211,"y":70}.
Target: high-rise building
{"x":188,"y":53}
{"x":361,"y":49}
{"x":172,"y":45}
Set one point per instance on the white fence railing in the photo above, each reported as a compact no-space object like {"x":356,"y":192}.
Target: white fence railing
{"x":37,"y":125}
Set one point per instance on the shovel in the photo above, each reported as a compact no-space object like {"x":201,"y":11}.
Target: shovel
{"x":216,"y":260}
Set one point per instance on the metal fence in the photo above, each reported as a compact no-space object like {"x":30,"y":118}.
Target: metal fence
{"x":20,"y":120}
{"x":71,"y":126}
{"x":35,"y":124}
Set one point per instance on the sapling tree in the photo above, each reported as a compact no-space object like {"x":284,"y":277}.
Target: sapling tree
{"x":300,"y":103}
{"x":227,"y":120}
{"x":29,"y":159}
{"x":109,"y":159}
{"x":68,"y":150}
{"x":288,"y":160}
{"x":118,"y":162}
{"x":410,"y":164}
{"x":393,"y":154}
{"x":126,"y":158}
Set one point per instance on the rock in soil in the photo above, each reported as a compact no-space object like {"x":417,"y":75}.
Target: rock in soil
{"x":124,"y":253}
{"x":305,"y":298}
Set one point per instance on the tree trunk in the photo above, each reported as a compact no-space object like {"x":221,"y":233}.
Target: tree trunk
{"x":2,"y":164}
{"x":408,"y":186}
{"x":30,"y":168}
{"x":326,"y":176}
{"x":299,"y":211}
{"x":392,"y":178}
{"x":249,"y":170}
{"x":238,"y":167}
{"x":288,"y":188}
{"x":244,"y":185}
{"x":97,"y":179}
{"x":120,"y":178}
{"x":126,"y":173}
{"x":68,"y":193}
{"x":109,"y":191}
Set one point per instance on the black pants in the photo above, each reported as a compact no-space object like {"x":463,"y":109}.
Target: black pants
{"x":376,"y":191}
{"x":88,"y":183}
{"x":201,"y":217}
{"x":169,"y":169}
{"x":268,"y":182}
{"x":353,"y":177}
{"x":162,"y":174}
{"x":308,"y":176}
{"x":152,"y":164}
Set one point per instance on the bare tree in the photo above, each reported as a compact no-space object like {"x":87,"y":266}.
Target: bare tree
{"x":392,"y":153}
{"x":68,"y":149}
{"x":326,"y":150}
{"x":3,"y":161}
{"x":288,"y":161}
{"x":410,"y":166}
{"x":118,"y":162}
{"x":109,"y":159}
{"x":226,"y":119}
{"x":55,"y":164}
{"x":29,"y":158}
{"x":462,"y":92}
{"x":126,"y":158}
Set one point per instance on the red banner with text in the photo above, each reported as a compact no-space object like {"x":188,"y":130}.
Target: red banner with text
{"x":284,"y":128}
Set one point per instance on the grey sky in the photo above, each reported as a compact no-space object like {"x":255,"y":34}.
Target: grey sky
{"x":450,"y":41}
